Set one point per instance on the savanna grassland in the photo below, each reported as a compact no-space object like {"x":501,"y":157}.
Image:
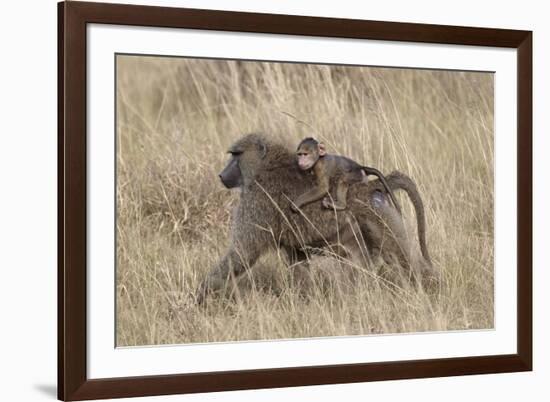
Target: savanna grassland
{"x":176,"y":118}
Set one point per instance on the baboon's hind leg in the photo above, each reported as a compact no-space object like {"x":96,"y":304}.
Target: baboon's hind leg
{"x":386,"y":235}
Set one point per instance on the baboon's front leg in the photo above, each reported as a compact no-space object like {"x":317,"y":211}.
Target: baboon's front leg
{"x":312,"y":195}
{"x":238,"y":259}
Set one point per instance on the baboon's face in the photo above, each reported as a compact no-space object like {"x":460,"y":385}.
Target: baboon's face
{"x":231,"y":176}
{"x":247,"y":156}
{"x":308,"y":153}
{"x":307,"y":157}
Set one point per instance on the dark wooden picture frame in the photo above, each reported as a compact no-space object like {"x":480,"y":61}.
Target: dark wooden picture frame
{"x":73,"y":383}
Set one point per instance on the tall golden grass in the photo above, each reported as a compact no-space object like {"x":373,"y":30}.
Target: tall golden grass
{"x":175,"y":119}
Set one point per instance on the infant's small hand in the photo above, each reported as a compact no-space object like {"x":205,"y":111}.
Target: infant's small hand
{"x":294,"y":208}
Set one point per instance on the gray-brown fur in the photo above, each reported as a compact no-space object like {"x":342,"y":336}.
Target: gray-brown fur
{"x":269,"y":180}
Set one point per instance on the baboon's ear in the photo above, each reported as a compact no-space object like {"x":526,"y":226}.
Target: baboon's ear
{"x":263,"y":149}
{"x":322,"y":149}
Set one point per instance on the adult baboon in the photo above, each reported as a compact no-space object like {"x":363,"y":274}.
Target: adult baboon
{"x":269,"y":179}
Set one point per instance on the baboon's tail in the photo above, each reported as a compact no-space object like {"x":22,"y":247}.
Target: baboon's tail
{"x":398,"y":180}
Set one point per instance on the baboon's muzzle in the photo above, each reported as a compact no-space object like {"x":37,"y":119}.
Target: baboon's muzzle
{"x":231,"y":176}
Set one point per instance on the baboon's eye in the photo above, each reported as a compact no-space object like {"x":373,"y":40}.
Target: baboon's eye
{"x":235,"y":153}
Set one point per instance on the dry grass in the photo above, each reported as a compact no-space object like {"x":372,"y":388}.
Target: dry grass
{"x":176,"y":118}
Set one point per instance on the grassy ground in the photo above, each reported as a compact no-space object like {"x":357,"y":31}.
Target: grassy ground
{"x":176,"y":118}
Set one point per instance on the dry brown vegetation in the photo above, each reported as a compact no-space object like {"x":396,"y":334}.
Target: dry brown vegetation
{"x":175,"y":119}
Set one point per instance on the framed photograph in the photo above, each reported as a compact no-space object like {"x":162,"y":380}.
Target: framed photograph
{"x":253,"y":200}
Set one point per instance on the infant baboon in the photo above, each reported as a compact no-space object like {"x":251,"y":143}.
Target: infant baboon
{"x":312,"y":156}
